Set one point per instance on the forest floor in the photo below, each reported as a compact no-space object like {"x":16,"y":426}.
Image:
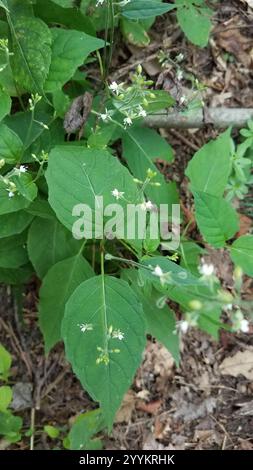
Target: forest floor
{"x":206,"y":403}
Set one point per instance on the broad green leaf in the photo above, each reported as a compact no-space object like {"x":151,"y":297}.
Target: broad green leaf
{"x":190,"y":253}
{"x":69,"y":50}
{"x":106,"y":354}
{"x":41,"y":208}
{"x":65,"y":3}
{"x":242,"y":253}
{"x":216,"y":218}
{"x":173,"y":273}
{"x":159,"y":317}
{"x":13,"y":252}
{"x":141,"y":9}
{"x":9,"y":425}
{"x":160,"y":100}
{"x":16,"y":276}
{"x":72,"y":18}
{"x":5,"y":104}
{"x":11,"y":204}
{"x":32,"y":52}
{"x":25,"y":186}
{"x":194,"y":19}
{"x":5,"y":363}
{"x":76,"y":175}
{"x":210,"y":167}
{"x":52,"y":431}
{"x":49,"y":242}
{"x":134,"y":32}
{"x":27,"y":129}
{"x":5,"y":397}
{"x":13,"y":224}
{"x":11,"y":147}
{"x":58,"y":285}
{"x":141,"y":147}
{"x":85,"y":427}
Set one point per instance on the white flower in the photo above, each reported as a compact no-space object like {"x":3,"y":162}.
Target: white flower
{"x":128,"y":121}
{"x":114,"y":87}
{"x":142,"y":112}
{"x":180,"y":75}
{"x":182,"y":100}
{"x":244,"y":327}
{"x":22,"y":169}
{"x":85,"y":327}
{"x":184,"y":326}
{"x":206,"y":269}
{"x":158,"y":271}
{"x":117,"y":194}
{"x":180,"y":57}
{"x":147,"y":206}
{"x":117,"y":334}
{"x":100,"y":3}
{"x":11,"y":194}
{"x":105,"y":116}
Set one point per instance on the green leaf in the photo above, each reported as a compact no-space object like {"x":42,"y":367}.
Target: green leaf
{"x":141,"y":147}
{"x":58,"y":285}
{"x":194,"y":19}
{"x":5,"y":104}
{"x":32,"y":52}
{"x":69,"y":50}
{"x":65,"y":3}
{"x":72,"y":18}
{"x":13,"y":252}
{"x":160,"y":100}
{"x":242,"y":253}
{"x":216,"y":219}
{"x":141,"y":9}
{"x":210,"y":167}
{"x":5,"y":397}
{"x":134,"y":32}
{"x":190,"y":253}
{"x":76,"y":174}
{"x":25,"y":186}
{"x":16,"y":276}
{"x":49,"y":242}
{"x":9,"y":425}
{"x":11,"y":147}
{"x":14,"y":224}
{"x":104,"y":364}
{"x":176,"y":275}
{"x":11,"y":204}
{"x":85,"y":427}
{"x":5,"y":363}
{"x":51,"y":431}
{"x":159,"y":317}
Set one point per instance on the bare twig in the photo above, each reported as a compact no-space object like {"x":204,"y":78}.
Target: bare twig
{"x":197,"y":118}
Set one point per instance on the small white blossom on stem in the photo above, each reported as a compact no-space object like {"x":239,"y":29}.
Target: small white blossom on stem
{"x":147,"y":205}
{"x":127,"y":121}
{"x":100,"y":3}
{"x":142,"y":112}
{"x":117,"y":194}
{"x":117,"y":334}
{"x":114,"y":87}
{"x":206,"y":269}
{"x":180,"y":75}
{"x":184,"y":326}
{"x":164,"y":277}
{"x":85,"y":327}
{"x":105,"y":116}
{"x":22,"y":169}
{"x":244,"y":327}
{"x":182,"y":100}
{"x":11,"y":194}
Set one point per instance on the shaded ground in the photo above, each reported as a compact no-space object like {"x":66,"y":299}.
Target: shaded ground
{"x":206,"y":403}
